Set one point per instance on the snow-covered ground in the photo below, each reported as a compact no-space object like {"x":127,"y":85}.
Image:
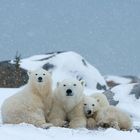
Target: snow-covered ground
{"x":26,"y":131}
{"x":72,"y":65}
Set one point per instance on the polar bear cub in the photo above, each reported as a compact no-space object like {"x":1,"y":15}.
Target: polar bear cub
{"x":107,"y":116}
{"x":91,"y":106}
{"x":33,"y":103}
{"x":68,"y":104}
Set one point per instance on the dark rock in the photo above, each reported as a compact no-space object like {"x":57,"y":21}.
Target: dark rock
{"x":136,"y":91}
{"x":110,"y":96}
{"x":48,"y":66}
{"x":111,"y":84}
{"x":134,"y":79}
{"x":79,"y":77}
{"x":11,"y":76}
{"x":53,"y":54}
{"x":84,"y":62}
{"x":58,"y":52}
{"x":100,"y":87}
{"x":46,"y":58}
{"x":136,"y":128}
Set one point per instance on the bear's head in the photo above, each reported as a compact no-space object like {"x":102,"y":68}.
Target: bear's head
{"x":91,"y":106}
{"x":70,"y":91}
{"x":39,"y":77}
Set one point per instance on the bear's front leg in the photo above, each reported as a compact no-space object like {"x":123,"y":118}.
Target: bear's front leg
{"x":91,"y":123}
{"x":77,"y":122}
{"x":37,"y":118}
{"x":57,"y":116}
{"x":43,"y":125}
{"x":77,"y":117}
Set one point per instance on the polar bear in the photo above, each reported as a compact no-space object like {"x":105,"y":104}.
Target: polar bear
{"x":33,"y":103}
{"x":68,"y":104}
{"x":91,"y":106}
{"x":108,"y":116}
{"x":101,"y":98}
{"x":95,"y":101}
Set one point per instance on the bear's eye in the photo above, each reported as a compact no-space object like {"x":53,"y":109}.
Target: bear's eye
{"x":64,"y":85}
{"x":93,"y":105}
{"x":74,"y":84}
{"x":43,"y":73}
{"x":85,"y":104}
{"x":36,"y":74}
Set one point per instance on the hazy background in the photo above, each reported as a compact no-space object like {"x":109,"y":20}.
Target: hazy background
{"x":105,"y":32}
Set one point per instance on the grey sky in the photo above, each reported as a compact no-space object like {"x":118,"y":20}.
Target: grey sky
{"x":105,"y":32}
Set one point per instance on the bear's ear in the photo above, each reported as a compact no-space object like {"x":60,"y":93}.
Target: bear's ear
{"x":82,"y":83}
{"x":29,"y":72}
{"x":98,"y":100}
{"x":58,"y":84}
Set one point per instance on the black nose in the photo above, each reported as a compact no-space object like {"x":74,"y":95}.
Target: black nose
{"x":89,"y":112}
{"x":69,"y":92}
{"x":40,"y":79}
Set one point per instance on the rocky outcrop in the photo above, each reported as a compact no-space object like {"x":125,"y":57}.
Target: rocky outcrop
{"x":11,"y":76}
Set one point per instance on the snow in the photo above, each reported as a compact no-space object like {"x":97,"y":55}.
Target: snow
{"x":24,"y":132}
{"x":69,"y":65}
{"x":127,"y":102}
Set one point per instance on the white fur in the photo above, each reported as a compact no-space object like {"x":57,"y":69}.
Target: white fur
{"x":90,"y":104}
{"x":32,"y":104}
{"x":109,"y":116}
{"x":68,"y":107}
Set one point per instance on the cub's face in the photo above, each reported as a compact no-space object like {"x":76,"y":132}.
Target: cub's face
{"x":90,"y":106}
{"x":70,"y":89}
{"x":39,"y":77}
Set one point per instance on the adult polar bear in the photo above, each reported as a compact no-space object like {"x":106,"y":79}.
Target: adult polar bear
{"x":33,"y":103}
{"x":68,"y":104}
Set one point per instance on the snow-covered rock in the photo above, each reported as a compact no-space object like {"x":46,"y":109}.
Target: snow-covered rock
{"x":127,"y":101}
{"x":67,"y":65}
{"x":136,"y":90}
{"x":113,"y":80}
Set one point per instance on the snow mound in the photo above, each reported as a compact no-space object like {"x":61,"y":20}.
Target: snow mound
{"x":67,"y":65}
{"x":127,"y":101}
